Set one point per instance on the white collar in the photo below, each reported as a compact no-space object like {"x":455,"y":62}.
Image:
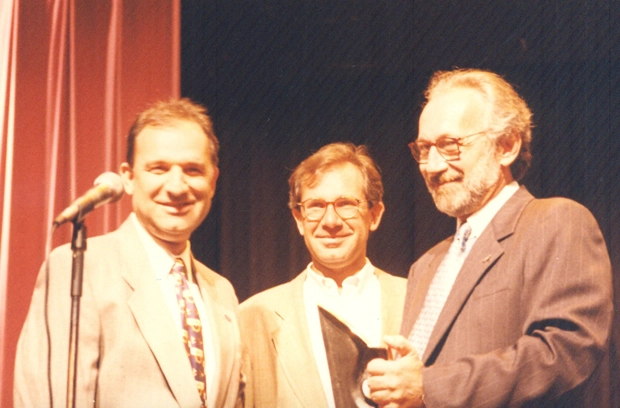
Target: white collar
{"x":481,"y":218}
{"x":359,"y":280}
{"x":161,"y":260}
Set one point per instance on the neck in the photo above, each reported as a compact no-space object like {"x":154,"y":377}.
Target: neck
{"x":175,"y":248}
{"x":504,"y":179}
{"x":338,"y":274}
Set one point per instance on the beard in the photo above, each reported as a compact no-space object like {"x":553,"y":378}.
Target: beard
{"x":457,"y":194}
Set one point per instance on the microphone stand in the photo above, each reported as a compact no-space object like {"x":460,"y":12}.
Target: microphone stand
{"x":78,"y":246}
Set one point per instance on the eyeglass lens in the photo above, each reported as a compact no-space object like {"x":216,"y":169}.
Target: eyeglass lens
{"x":314,"y":209}
{"x":448,"y":148}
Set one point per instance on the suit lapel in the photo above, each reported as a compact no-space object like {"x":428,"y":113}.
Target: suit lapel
{"x":484,"y":253}
{"x":292,"y":342}
{"x":486,"y":250}
{"x":148,"y":305}
{"x":391,"y":296}
{"x":222,"y":328}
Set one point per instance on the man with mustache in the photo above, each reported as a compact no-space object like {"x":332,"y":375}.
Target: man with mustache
{"x":516,"y":309}
{"x":157,"y":327}
{"x":336,"y":197}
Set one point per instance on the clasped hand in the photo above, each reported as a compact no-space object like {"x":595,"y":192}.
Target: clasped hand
{"x":397,"y":382}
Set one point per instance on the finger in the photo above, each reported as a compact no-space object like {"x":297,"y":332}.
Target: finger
{"x":376,"y":366}
{"x":400,"y":345}
{"x":381,"y":397}
{"x":385,"y":398}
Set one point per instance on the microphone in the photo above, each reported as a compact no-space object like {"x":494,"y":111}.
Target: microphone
{"x":108,"y":189}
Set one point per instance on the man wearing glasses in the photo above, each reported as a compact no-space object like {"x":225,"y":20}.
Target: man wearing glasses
{"x":516,"y":309}
{"x":336,"y":200}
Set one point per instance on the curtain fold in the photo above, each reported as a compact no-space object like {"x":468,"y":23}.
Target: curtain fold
{"x":73,"y":75}
{"x":8,"y":24}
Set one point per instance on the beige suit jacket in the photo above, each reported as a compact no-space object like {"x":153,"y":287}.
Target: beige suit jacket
{"x":130,"y":350}
{"x":528,"y":319}
{"x":278,"y":360}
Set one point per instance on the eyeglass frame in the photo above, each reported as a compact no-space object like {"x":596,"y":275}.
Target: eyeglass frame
{"x":303,"y":210}
{"x":414,"y":145}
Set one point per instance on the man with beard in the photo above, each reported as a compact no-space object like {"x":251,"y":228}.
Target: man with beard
{"x":516,"y":309}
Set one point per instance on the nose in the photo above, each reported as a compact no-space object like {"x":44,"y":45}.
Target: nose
{"x":436,"y":163}
{"x":331,"y":219}
{"x":176,"y":183}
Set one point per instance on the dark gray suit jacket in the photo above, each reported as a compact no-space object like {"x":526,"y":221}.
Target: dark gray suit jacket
{"x":528,"y":320}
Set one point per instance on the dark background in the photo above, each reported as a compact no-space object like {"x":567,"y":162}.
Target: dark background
{"x":283,"y":78}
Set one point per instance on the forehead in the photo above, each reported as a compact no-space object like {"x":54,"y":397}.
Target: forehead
{"x":336,"y":181}
{"x":455,"y":112}
{"x":175,"y":140}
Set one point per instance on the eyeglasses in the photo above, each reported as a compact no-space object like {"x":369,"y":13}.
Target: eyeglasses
{"x":447,"y":147}
{"x":313,"y":209}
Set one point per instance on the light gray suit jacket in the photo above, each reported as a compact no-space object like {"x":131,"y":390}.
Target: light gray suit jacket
{"x":130,"y":351}
{"x":278,"y":360}
{"x":528,"y":319}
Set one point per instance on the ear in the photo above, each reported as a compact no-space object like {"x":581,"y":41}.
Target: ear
{"x":376,"y":212}
{"x":509,"y":150}
{"x":214,"y":177}
{"x":299,"y":220}
{"x":127,"y":177}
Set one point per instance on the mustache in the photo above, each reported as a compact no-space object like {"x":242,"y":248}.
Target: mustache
{"x":439,"y":179}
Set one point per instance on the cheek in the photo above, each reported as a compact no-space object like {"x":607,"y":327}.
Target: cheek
{"x":147,"y":184}
{"x":359,"y":228}
{"x":309,"y":230}
{"x":201,"y":188}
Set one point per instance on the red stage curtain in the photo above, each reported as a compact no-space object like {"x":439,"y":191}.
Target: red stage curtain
{"x":73,"y":74}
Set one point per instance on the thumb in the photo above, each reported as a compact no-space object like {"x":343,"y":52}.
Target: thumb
{"x":400,"y":345}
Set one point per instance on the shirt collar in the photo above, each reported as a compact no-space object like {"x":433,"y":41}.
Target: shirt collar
{"x":481,"y":218}
{"x":161,"y":260}
{"x":358,"y":281}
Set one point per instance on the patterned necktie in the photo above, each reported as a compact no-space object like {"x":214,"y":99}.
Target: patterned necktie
{"x":440,"y":289}
{"x":192,"y":327}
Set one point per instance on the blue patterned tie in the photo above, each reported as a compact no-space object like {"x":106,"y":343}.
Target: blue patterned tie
{"x":440,"y":289}
{"x":192,"y":327}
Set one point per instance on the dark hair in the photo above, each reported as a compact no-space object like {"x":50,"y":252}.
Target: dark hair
{"x":509,"y":116}
{"x":334,"y":154}
{"x":165,"y":113}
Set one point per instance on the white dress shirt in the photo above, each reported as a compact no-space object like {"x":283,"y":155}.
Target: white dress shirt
{"x":161,"y":264}
{"x":481,"y":218}
{"x":358,"y":303}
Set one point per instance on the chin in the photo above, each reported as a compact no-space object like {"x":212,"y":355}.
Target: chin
{"x":448,"y":203}
{"x":175,"y":231}
{"x":332,"y":260}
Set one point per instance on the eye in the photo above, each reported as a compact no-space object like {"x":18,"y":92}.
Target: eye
{"x":194,"y":171}
{"x":448,"y":144}
{"x":346,"y":202}
{"x":157,"y":169}
{"x":423,"y":147}
{"x":313,"y":204}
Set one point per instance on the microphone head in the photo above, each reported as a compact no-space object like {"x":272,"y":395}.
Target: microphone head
{"x":108,"y":189}
{"x":114,"y":182}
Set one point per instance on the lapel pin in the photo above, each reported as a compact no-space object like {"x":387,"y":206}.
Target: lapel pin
{"x":486,"y":259}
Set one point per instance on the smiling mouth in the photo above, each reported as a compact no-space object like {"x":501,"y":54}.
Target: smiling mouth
{"x":445,"y":183}
{"x":333,"y":241}
{"x":439,"y":182}
{"x":177,"y":208}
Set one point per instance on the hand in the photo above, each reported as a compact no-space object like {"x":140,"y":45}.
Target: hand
{"x":397,"y":383}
